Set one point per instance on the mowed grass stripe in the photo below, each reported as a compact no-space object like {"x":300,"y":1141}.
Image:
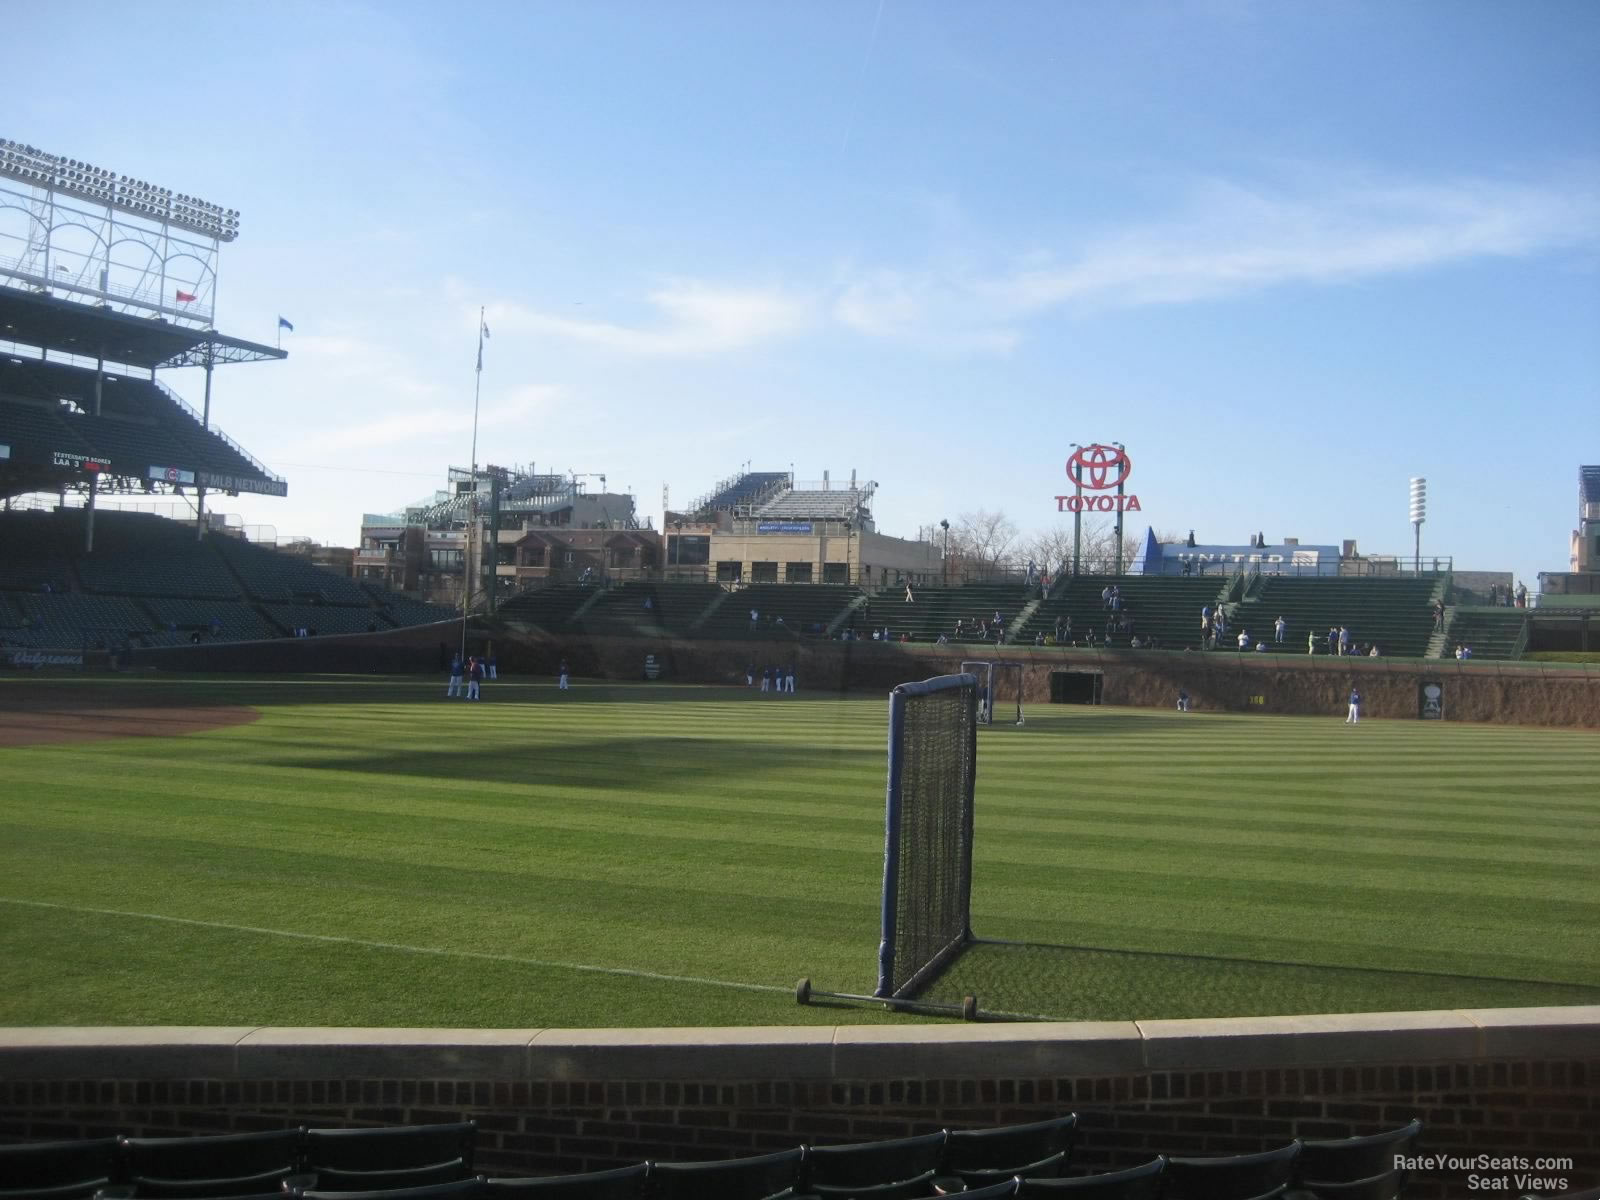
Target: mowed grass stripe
{"x":715,"y":833}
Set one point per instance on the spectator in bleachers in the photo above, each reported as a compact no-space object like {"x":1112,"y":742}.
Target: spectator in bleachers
{"x":1344,"y":640}
{"x":1311,"y":642}
{"x":909,"y":598}
{"x":1438,"y":615}
{"x":1244,"y":639}
{"x":1372,"y":651}
{"x":1522,"y":594}
{"x":1105,"y":596}
{"x":755,"y":620}
{"x":1279,"y":628}
{"x":1333,"y":640}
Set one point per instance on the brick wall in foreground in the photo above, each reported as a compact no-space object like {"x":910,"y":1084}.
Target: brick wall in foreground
{"x":1501,"y":1082}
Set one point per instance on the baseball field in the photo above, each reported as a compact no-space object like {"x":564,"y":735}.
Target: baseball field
{"x":362,"y":851}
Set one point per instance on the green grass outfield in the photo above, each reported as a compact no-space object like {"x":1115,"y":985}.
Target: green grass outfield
{"x":370,"y":854}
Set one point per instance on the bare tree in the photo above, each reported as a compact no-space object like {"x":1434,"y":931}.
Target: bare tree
{"x":980,"y":541}
{"x":1050,"y":549}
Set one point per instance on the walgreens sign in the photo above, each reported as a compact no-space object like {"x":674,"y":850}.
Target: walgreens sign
{"x":1099,"y":469}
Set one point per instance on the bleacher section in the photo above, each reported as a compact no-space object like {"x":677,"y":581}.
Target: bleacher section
{"x":546,"y":608}
{"x":274,"y":577}
{"x":934,"y":611}
{"x":47,"y":406}
{"x":751,"y":488}
{"x":806,"y":610}
{"x":1490,"y":632}
{"x":1164,"y":607}
{"x":812,"y":505}
{"x":1394,"y":614}
{"x":148,"y":582}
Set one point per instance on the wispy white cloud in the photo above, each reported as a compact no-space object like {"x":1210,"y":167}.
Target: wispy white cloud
{"x":434,"y":422}
{"x":692,"y":318}
{"x":1229,"y":239}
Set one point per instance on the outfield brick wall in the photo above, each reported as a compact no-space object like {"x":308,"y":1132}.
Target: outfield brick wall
{"x":1530,"y":694}
{"x":1502,"y":1082}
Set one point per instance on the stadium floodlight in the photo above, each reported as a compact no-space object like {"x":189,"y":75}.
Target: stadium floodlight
{"x":1419,"y":514}
{"x":76,"y":178}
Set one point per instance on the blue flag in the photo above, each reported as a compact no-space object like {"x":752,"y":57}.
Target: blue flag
{"x":282,"y":324}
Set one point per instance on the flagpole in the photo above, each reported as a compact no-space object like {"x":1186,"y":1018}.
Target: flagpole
{"x":472,"y":515}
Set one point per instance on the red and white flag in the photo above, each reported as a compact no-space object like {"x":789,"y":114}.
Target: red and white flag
{"x":186,"y":297}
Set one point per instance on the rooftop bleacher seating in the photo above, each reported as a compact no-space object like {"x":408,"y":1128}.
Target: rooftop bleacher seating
{"x":749,"y":488}
{"x":812,"y":505}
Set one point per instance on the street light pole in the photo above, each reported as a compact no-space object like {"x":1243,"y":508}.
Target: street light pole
{"x":1077,"y":513}
{"x":944,"y":573}
{"x":1120,"y":482}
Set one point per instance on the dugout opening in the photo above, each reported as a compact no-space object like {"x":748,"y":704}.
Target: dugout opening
{"x":1076,"y":687}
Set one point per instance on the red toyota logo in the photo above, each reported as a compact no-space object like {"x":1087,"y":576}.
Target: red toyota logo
{"x":1098,"y":467}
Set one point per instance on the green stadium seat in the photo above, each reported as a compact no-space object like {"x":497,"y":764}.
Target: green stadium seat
{"x":1344,"y":1160}
{"x":1234,"y":1177}
{"x":456,"y":1189}
{"x":1038,"y":1149}
{"x":729,"y":1179}
{"x":860,"y":1168}
{"x":73,"y":1170}
{"x":401,"y":1156}
{"x":235,"y":1164}
{"x":1143,"y":1182}
{"x":622,"y":1183}
{"x":1386,"y":1186}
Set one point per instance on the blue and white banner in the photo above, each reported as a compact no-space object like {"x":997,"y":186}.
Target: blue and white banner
{"x":784,"y":527}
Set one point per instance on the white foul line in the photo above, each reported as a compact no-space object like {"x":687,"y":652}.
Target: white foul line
{"x":627,"y":972}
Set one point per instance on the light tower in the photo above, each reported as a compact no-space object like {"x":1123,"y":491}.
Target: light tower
{"x":1419,"y":514}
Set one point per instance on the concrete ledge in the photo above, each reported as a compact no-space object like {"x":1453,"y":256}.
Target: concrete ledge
{"x":1245,"y":1042}
{"x":137,"y":1052}
{"x":850,"y":1052}
{"x":1510,"y":1032}
{"x":1021,"y":1051}
{"x":762,"y":1052}
{"x":336,"y":1053}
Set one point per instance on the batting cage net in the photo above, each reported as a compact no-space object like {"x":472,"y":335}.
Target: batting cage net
{"x":927,"y":845}
{"x":999,"y":691}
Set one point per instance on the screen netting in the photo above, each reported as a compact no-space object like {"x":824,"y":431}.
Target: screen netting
{"x":927,"y":859}
{"x":999,"y":690}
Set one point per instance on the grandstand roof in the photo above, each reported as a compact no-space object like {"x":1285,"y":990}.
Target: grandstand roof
{"x":65,"y":325}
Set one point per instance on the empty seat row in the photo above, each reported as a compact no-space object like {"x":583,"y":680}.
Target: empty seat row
{"x":236,"y":1165}
{"x":434,"y":1162}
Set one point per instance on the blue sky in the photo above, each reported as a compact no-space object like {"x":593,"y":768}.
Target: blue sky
{"x":1290,"y":254}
